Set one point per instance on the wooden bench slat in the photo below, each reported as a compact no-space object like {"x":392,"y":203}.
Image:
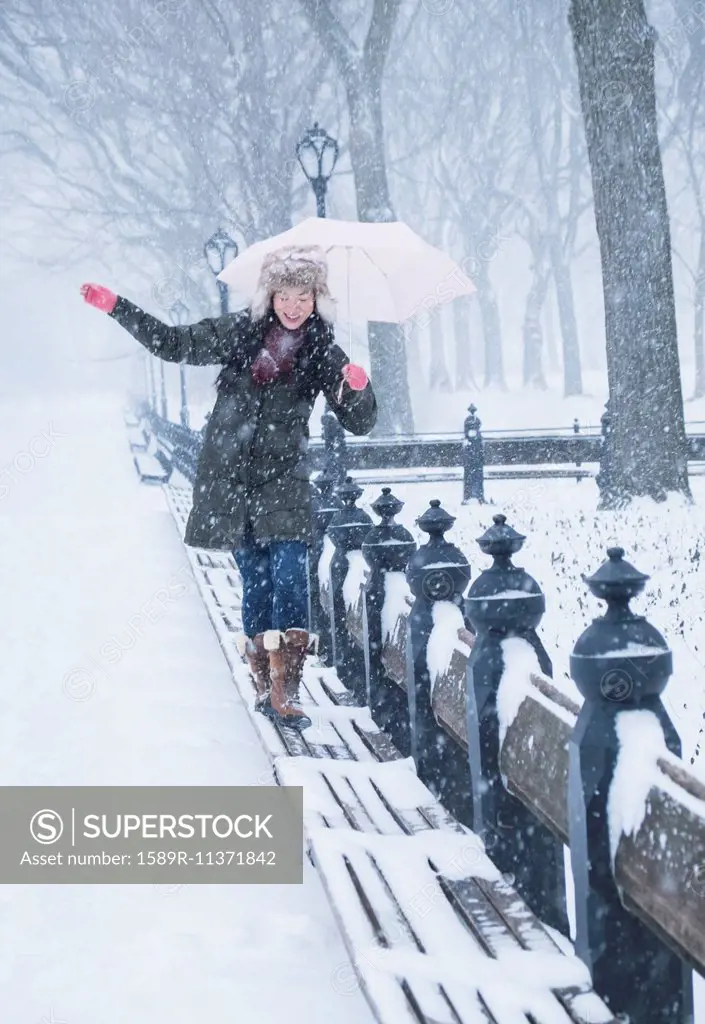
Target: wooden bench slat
{"x":410,"y":895}
{"x":378,"y":743}
{"x":476,"y":903}
{"x":334,"y":691}
{"x":364,"y":790}
{"x":411,"y":820}
{"x":662,"y":884}
{"x":479,"y":914}
{"x":437,"y":816}
{"x":353,"y":809}
{"x":377,"y":930}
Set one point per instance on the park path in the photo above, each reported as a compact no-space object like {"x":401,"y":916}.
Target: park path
{"x":104,"y":682}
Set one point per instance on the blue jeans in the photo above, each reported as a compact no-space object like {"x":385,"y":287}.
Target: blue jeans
{"x":274,"y":585}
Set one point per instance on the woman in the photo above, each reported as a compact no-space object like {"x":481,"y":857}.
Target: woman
{"x":251,"y":495}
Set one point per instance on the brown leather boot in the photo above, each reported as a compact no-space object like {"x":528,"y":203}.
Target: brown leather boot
{"x":287,"y":654}
{"x":252,"y":649}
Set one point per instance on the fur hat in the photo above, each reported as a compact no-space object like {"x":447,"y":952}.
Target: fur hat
{"x":294,"y":266}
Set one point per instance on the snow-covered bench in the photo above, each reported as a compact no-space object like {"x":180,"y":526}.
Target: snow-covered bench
{"x":434,"y":933}
{"x":150,"y":469}
{"x":451,"y":940}
{"x":137,"y":439}
{"x":494,"y":738}
{"x":131,"y":419}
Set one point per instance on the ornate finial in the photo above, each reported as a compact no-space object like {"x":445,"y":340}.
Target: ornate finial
{"x":501,"y":541}
{"x":349,"y":492}
{"x":435,"y":521}
{"x":389,"y":545}
{"x":616,"y":579}
{"x":387,"y":506}
{"x":448,"y":572}
{"x":504,"y":598}
{"x":620,"y":658}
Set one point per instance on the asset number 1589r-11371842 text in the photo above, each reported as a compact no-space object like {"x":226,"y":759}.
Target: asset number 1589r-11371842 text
{"x":209,"y":858}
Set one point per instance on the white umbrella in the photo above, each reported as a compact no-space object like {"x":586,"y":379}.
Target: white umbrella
{"x":376,"y":271}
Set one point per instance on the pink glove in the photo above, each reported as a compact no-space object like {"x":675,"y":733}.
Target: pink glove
{"x":100,"y":297}
{"x":355,"y":377}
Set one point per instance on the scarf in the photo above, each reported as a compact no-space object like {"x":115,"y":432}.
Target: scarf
{"x":277,"y":356}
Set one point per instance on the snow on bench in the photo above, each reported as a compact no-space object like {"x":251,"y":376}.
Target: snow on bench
{"x":150,"y":469}
{"x":437,"y":937}
{"x":340,"y":729}
{"x":387,"y":797}
{"x":137,"y":439}
{"x":434,"y":933}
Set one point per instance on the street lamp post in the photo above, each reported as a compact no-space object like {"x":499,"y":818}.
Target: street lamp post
{"x":162,"y":392}
{"x":179,"y":315}
{"x":219,"y":250}
{"x":317,"y":152}
{"x":151,"y":382}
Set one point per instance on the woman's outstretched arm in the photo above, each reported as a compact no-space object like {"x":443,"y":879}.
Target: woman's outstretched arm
{"x":211,"y":341}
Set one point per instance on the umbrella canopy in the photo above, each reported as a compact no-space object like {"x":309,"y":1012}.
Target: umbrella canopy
{"x":376,"y":271}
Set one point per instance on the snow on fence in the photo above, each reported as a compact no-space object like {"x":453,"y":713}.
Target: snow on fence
{"x":462,"y":683}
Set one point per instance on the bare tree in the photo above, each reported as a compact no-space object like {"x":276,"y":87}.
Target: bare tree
{"x":614,"y":47}
{"x":361,"y":68}
{"x":478,"y":171}
{"x":546,"y":82}
{"x":532,"y":369}
{"x":458,"y":124}
{"x":146,"y":129}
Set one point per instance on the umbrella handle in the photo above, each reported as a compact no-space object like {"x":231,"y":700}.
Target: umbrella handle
{"x":350,"y":342}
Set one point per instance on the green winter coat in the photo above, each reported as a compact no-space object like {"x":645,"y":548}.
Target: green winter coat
{"x":253,"y":468}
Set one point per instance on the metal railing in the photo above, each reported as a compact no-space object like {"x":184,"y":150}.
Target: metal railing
{"x":509,"y":454}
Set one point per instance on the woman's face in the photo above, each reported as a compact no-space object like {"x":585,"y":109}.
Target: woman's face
{"x":293,"y":306}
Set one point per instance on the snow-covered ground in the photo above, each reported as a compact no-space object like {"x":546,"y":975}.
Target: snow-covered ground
{"x":95,"y":691}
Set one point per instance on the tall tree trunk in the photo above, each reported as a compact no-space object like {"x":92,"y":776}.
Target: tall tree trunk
{"x":572,"y":373}
{"x":387,"y":350}
{"x":464,"y":377}
{"x":615,"y":44}
{"x":361,"y":69}
{"x":387,"y":356}
{"x":438,"y":376}
{"x":410,"y":339}
{"x":533,"y":333}
{"x":699,"y":303}
{"x":547,"y":165}
{"x":491,"y":328}
{"x":554,"y":361}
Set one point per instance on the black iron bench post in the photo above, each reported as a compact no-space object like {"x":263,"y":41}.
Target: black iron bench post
{"x":438,"y":572}
{"x":386,"y":549}
{"x":621,"y":665}
{"x":347,"y":530}
{"x":505,"y":602}
{"x":324,"y":505}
